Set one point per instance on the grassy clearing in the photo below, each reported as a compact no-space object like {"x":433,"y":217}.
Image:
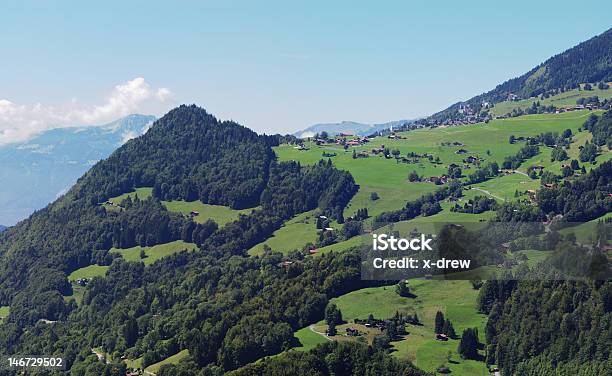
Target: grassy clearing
{"x":155,"y":252}
{"x":134,"y":363}
{"x":585,"y":232}
{"x":456,"y":299}
{"x":218,"y":213}
{"x":174,"y":359}
{"x":566,"y":99}
{"x":88,"y":272}
{"x":4,"y":312}
{"x":390,"y":198}
{"x":294,"y":234}
{"x":505,"y":186}
{"x":143,"y":193}
{"x":534,"y":257}
{"x":77,"y":293}
{"x":308,"y":339}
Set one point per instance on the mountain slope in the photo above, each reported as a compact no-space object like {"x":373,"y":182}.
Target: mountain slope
{"x":36,"y":172}
{"x":589,"y":61}
{"x":358,"y":129}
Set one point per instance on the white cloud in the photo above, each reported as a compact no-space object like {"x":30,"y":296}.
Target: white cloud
{"x":128,"y":135}
{"x":164,"y":94}
{"x":20,"y":122}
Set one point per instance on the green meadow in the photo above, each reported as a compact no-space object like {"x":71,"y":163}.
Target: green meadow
{"x":579,"y":139}
{"x":174,"y":359}
{"x":294,"y":234}
{"x":134,"y":363}
{"x":419,"y":346}
{"x":88,"y":272}
{"x":4,"y":312}
{"x":585,"y":232}
{"x":218,"y":213}
{"x":308,"y":339}
{"x":566,"y":99}
{"x":504,"y":187}
{"x":143,"y":193}
{"x":155,"y":252}
{"x":153,"y":368}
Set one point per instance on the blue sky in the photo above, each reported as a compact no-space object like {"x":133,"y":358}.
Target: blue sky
{"x":274,"y":66}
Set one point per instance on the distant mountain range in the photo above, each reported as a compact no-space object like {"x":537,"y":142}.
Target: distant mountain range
{"x":2,"y":228}
{"x":36,"y":172}
{"x":589,"y":61}
{"x":359,"y":129}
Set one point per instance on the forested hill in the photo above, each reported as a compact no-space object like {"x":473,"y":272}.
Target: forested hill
{"x":589,"y":61}
{"x":188,"y":154}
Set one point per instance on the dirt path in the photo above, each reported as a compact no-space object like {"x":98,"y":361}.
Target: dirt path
{"x":312,"y":328}
{"x":489,"y":193}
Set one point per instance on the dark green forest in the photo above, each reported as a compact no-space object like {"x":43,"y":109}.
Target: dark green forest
{"x":538,"y":326}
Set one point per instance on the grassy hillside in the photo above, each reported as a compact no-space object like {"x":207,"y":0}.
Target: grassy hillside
{"x":294,"y":234}
{"x":155,"y":252}
{"x":487,"y":141}
{"x":218,"y":213}
{"x":4,"y":312}
{"x":142,"y":193}
{"x":562,"y":100}
{"x":389,"y":179}
{"x":88,"y":272}
{"x":419,"y":346}
{"x":174,"y":359}
{"x":585,"y":232}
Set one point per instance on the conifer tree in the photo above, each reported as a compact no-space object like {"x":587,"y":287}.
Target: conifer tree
{"x":439,"y":322}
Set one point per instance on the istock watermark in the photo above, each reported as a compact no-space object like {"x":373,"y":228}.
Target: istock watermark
{"x":422,"y":243}
{"x":383,"y":242}
{"x":488,"y":250}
